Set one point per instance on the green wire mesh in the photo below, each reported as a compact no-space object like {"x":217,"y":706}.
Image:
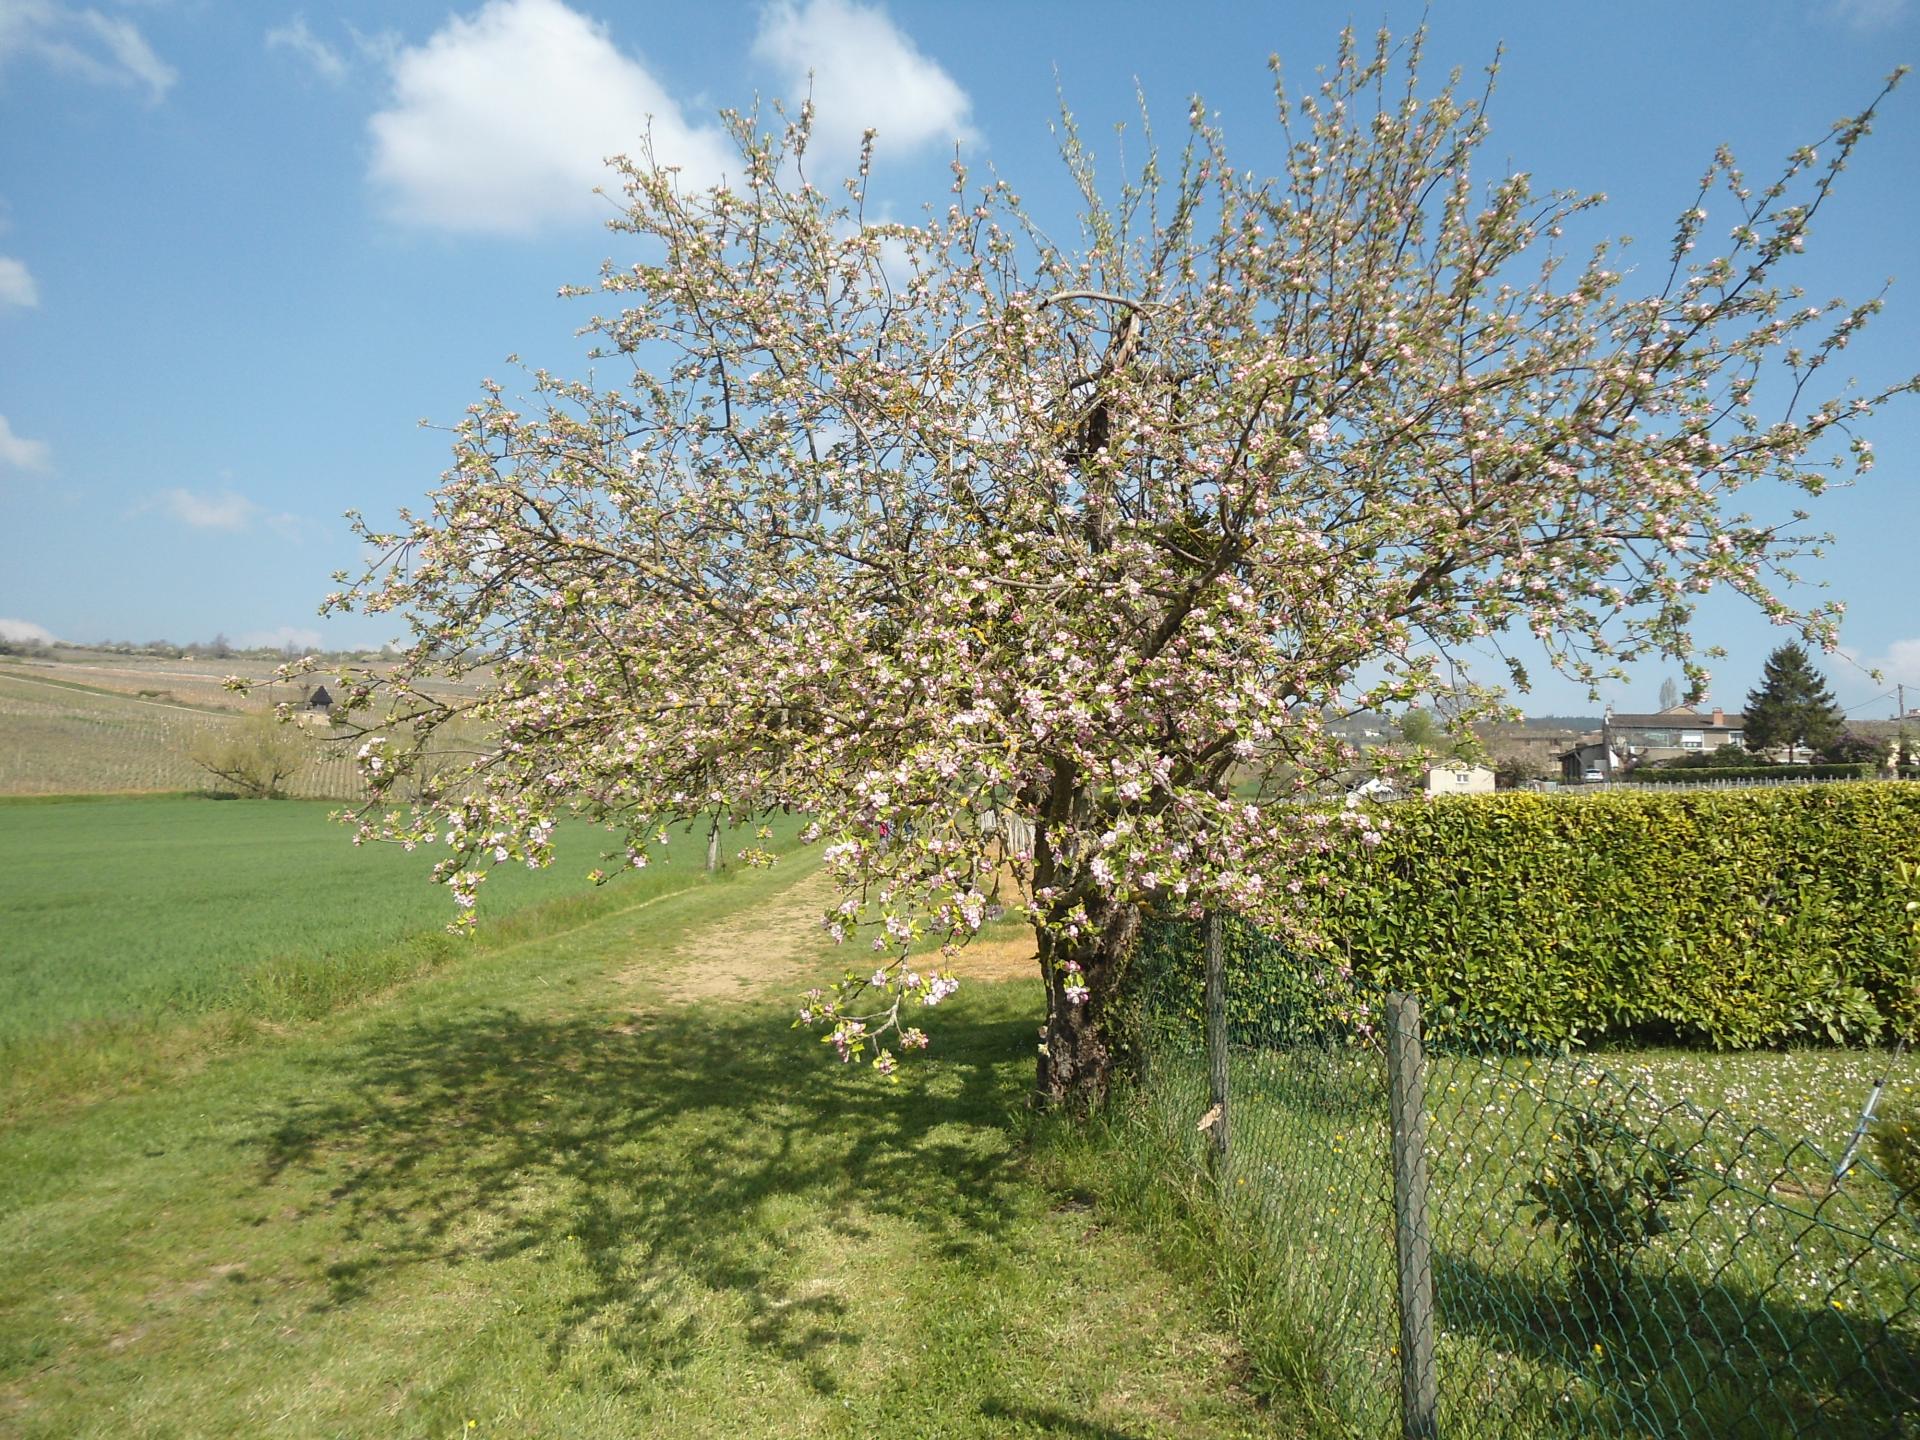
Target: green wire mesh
{"x":1609,"y":1258}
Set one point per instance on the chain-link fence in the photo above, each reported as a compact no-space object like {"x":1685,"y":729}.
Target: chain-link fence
{"x":1559,"y":1248}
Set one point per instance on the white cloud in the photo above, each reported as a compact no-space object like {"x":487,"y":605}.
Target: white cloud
{"x":295,"y":36}
{"x":99,"y":48}
{"x":19,"y":453}
{"x":24,"y":630}
{"x":503,"y":119}
{"x":228,"y":511}
{"x":1899,"y":664}
{"x":16,"y":283}
{"x":865,"y":74}
{"x":283,"y":637}
{"x":1868,"y":15}
{"x":225,"y":511}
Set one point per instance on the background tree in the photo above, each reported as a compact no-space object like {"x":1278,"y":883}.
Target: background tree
{"x":896,"y":523}
{"x":1418,"y":727}
{"x":1514,"y":770}
{"x":1848,"y":748}
{"x":256,"y":755}
{"x":1423,"y":730}
{"x":1792,"y":706}
{"x":1669,"y":693}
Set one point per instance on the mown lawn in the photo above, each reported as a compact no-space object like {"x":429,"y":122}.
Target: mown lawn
{"x":573,"y":1186}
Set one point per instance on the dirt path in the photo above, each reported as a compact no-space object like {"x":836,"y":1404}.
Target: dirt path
{"x":773,"y":942}
{"x":778,"y":944}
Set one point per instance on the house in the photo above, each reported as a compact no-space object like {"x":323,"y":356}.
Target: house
{"x":1669,"y":734}
{"x":319,"y":699}
{"x":1452,"y":777}
{"x":1539,"y":745}
{"x":1590,"y":760}
{"x":1458,"y":778}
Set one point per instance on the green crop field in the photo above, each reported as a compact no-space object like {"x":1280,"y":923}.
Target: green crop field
{"x":122,"y":916}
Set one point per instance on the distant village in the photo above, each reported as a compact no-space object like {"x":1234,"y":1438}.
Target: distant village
{"x":1551,"y":752}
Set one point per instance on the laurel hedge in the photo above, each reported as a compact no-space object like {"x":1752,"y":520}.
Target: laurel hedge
{"x":1733,"y":919}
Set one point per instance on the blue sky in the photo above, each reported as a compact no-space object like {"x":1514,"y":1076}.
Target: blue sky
{"x":246,"y":248}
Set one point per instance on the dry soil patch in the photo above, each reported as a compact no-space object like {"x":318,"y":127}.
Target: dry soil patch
{"x":779,"y":943}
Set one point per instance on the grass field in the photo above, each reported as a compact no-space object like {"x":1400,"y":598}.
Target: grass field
{"x":127,"y":921}
{"x":582,"y":1182}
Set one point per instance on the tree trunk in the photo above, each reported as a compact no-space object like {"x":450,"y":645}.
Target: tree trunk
{"x":713,"y":846}
{"x":1084,"y":1043}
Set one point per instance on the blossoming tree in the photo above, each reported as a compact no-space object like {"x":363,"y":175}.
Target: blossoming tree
{"x":895,"y":524}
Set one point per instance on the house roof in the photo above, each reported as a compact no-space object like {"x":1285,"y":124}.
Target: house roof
{"x":1591,"y":742}
{"x":1494,"y":732}
{"x":1678,"y":720}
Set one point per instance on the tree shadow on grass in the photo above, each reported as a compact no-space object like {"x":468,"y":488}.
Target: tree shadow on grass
{"x":647,"y":1164}
{"x":1051,"y":1420}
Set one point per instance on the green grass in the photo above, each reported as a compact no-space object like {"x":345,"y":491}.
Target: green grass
{"x":138,"y":930}
{"x":533,"y":1194}
{"x":1779,"y":1304}
{"x":132,"y":911}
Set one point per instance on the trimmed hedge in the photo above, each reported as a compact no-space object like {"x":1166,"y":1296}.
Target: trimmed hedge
{"x":1695,"y":774}
{"x":1732,"y":919}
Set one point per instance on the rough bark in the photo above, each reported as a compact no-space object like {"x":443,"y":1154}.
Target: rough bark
{"x":1085,"y":1043}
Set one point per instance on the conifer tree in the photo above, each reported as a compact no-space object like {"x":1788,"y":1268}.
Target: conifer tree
{"x":1793,"y":705}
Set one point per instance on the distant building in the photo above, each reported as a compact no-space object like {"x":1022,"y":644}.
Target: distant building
{"x":320,"y":699}
{"x":1452,"y":777}
{"x":1534,"y":745}
{"x":1669,"y":734}
{"x":1589,"y":762}
{"x":1459,"y":778}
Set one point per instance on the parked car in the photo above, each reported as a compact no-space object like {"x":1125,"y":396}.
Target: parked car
{"x":1592,"y":775}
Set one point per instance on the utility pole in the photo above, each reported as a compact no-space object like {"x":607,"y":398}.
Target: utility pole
{"x":1900,"y":754}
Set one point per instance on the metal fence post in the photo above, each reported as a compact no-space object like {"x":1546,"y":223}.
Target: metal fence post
{"x":1216,"y":1002}
{"x":1413,"y":1239}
